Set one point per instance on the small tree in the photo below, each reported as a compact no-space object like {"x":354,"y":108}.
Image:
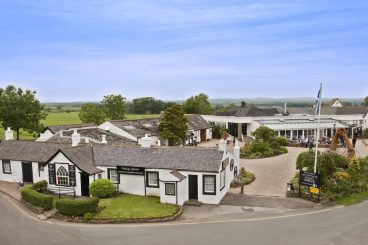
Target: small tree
{"x":198,"y":104}
{"x":244,"y":178}
{"x":92,"y":113}
{"x":114,"y":106}
{"x":264,"y":133}
{"x":173,"y":125}
{"x":102,"y":188}
{"x":366,"y":101}
{"x":20,"y":110}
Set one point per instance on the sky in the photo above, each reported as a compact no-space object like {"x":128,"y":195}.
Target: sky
{"x":81,"y":50}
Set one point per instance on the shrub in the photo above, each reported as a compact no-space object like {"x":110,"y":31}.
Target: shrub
{"x":102,"y":188}
{"x":77,"y":207}
{"x":38,"y":199}
{"x":282,"y":141}
{"x":88,"y":216}
{"x":244,"y":178}
{"x":40,"y":185}
{"x":264,"y":133}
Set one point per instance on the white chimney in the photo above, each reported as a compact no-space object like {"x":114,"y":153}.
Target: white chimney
{"x":107,"y":129}
{"x":285,"y":109}
{"x":104,"y":141}
{"x":86,"y":140}
{"x":146,"y":141}
{"x":237,"y":150}
{"x":9,"y":134}
{"x":158,"y":142}
{"x":222,"y":145}
{"x":75,"y":138}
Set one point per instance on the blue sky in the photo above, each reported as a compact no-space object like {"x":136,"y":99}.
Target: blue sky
{"x":82,"y":50}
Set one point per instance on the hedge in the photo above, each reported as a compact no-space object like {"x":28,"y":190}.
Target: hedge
{"x":76,"y":207}
{"x":40,"y":185}
{"x":38,"y":199}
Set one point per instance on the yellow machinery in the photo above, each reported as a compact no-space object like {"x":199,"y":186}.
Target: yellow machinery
{"x":341,"y":133}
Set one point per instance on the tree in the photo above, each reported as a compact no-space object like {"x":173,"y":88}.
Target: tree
{"x":147,"y":105}
{"x":198,"y":104}
{"x":114,"y":106}
{"x":92,"y":113}
{"x":173,"y":125}
{"x":20,"y":110}
{"x":366,"y":101}
{"x":244,"y":178}
{"x":264,"y":133}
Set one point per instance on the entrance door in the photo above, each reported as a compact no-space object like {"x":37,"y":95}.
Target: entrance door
{"x":203,"y":135}
{"x":27,"y":172}
{"x":193,"y":187}
{"x":84,"y":184}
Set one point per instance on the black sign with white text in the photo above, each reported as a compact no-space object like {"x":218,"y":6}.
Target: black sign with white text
{"x":309,"y":179}
{"x":130,"y":170}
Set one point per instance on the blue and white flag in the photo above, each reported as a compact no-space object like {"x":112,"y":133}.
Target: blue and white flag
{"x":318,"y":102}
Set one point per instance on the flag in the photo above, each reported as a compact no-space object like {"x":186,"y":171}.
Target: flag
{"x":318,"y":102}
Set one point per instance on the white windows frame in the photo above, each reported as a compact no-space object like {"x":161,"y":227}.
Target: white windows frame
{"x":6,"y":167}
{"x":152,"y":179}
{"x":113,"y":175}
{"x":62,"y":175}
{"x":209,"y":184}
{"x":222,"y":179}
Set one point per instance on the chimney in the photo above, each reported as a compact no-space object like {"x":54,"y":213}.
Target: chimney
{"x":107,"y":129}
{"x":222,"y":145}
{"x":75,"y":138}
{"x":146,"y":141}
{"x":86,"y":140}
{"x":237,"y":150}
{"x":9,"y":134}
{"x":104,"y":141}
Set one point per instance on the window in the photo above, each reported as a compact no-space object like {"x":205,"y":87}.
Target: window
{"x":152,"y":179}
{"x":231,"y":164}
{"x":62,"y":176}
{"x":40,"y":169}
{"x":209,"y":184}
{"x":222,"y":179}
{"x":114,"y":176}
{"x":6,"y":167}
{"x":99,"y":176}
{"x":170,"y":189}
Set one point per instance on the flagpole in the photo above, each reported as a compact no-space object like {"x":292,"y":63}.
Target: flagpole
{"x":318,"y":130}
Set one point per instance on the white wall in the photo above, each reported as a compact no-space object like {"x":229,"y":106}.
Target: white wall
{"x":16,"y":172}
{"x":45,"y":135}
{"x":133,"y":184}
{"x":117,"y":130}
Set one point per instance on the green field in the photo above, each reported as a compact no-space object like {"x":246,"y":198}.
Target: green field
{"x":62,"y":118}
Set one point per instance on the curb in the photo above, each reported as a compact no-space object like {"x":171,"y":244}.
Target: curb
{"x":171,"y":218}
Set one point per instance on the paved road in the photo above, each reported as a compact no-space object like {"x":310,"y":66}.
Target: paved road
{"x":335,"y":227}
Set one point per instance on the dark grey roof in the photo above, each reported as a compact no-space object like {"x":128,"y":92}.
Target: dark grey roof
{"x":29,"y":151}
{"x":248,"y":111}
{"x":55,"y":129}
{"x":94,"y":134}
{"x":82,"y":157}
{"x":138,"y":128}
{"x":175,"y":158}
{"x":196,"y":122}
{"x":178,"y":175}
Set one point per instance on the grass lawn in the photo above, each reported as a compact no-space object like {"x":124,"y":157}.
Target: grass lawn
{"x":352,"y":199}
{"x":62,"y":118}
{"x":129,"y":206}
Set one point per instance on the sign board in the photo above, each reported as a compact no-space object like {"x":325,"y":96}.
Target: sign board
{"x":309,"y":179}
{"x":314,"y":190}
{"x":72,"y":179}
{"x":130,"y":170}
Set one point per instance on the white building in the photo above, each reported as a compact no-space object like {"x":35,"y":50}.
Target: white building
{"x":175,"y":174}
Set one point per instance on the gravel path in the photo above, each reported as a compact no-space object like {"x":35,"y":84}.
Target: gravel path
{"x":272,"y":174}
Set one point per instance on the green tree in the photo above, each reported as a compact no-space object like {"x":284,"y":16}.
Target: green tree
{"x":147,"y":105}
{"x":92,"y":113}
{"x":264,"y":133}
{"x":20,"y":109}
{"x":366,"y":101}
{"x":173,"y":125}
{"x":114,"y":106}
{"x":198,"y":104}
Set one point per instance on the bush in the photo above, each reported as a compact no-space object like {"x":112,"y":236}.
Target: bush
{"x":38,"y":199}
{"x":40,"y":185}
{"x":102,"y":188}
{"x":88,"y":216}
{"x":262,"y":149}
{"x":264,"y":133}
{"x":76,"y":207}
{"x":282,"y":141}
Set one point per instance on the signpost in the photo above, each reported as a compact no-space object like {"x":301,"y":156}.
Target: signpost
{"x":130,"y":170}
{"x":313,"y":180}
